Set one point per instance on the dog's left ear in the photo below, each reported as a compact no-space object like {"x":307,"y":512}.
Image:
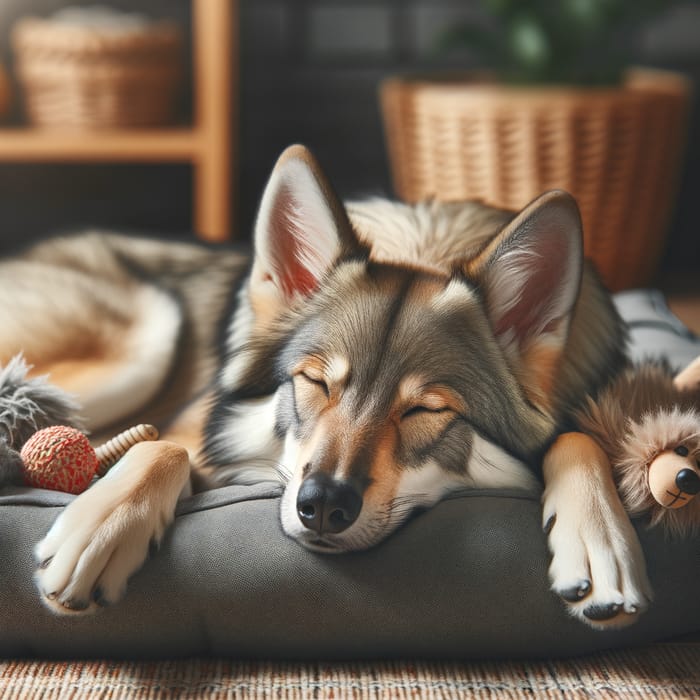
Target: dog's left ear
{"x":530,"y":276}
{"x":301,"y":230}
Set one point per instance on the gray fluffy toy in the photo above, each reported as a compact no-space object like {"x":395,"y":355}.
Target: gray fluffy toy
{"x":27,"y":405}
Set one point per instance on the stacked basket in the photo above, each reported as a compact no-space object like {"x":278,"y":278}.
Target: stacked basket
{"x":616,"y":150}
{"x":90,"y":71}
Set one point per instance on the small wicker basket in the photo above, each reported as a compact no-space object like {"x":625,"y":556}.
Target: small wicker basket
{"x":98,"y":77}
{"x":617,"y":150}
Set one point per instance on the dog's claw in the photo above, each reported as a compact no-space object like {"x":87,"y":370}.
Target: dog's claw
{"x":602,"y":612}
{"x":75,"y":604}
{"x":99,"y":597}
{"x":549,"y":524}
{"x":45,"y":564}
{"x":577,"y":592}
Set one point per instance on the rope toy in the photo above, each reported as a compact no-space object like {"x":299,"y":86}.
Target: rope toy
{"x":61,"y":458}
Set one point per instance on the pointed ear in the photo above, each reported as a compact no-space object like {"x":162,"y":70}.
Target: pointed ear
{"x":530,"y":276}
{"x":301,"y":230}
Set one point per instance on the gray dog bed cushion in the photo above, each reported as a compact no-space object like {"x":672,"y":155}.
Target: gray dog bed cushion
{"x":465,"y":579}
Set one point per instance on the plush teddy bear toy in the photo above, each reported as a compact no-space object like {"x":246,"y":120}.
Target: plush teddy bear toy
{"x":647,"y":421}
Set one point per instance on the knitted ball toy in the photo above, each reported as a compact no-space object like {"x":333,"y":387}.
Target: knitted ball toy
{"x":61,"y":458}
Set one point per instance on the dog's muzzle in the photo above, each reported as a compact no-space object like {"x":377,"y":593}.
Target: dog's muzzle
{"x":327,"y":506}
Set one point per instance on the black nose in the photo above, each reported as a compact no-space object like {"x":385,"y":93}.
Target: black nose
{"x":326,"y":505}
{"x":688,"y":481}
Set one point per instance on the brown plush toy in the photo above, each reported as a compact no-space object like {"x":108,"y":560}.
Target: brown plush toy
{"x":648,"y":423}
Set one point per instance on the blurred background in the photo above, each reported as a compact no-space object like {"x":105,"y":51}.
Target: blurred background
{"x":304,"y":71}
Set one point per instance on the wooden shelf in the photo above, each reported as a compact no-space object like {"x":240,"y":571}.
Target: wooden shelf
{"x":142,"y":145}
{"x":208,"y":145}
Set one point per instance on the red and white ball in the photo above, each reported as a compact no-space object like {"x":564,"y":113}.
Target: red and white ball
{"x":59,"y":458}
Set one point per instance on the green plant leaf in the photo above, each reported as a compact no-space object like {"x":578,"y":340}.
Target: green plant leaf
{"x":529,"y":43}
{"x":581,"y":41}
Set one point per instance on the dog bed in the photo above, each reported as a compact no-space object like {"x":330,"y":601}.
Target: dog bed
{"x":466,"y":579}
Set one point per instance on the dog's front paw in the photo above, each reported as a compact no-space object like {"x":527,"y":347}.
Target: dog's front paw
{"x":104,"y":535}
{"x":598,"y":566}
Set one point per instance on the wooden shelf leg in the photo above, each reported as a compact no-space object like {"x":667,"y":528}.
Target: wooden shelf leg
{"x":213,"y":60}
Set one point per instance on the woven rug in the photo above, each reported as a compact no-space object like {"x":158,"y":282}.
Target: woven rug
{"x":660,"y":671}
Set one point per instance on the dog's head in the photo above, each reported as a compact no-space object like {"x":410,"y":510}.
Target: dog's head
{"x":390,"y":384}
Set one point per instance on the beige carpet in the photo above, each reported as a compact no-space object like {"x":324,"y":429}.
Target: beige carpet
{"x":661,"y":671}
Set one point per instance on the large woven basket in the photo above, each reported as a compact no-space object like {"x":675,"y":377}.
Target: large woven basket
{"x":617,"y":150}
{"x":88,"y":77}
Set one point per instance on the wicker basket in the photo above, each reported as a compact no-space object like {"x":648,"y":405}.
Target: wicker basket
{"x":93,"y":78}
{"x":616,"y":150}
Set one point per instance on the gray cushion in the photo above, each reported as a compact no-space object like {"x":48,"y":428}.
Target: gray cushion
{"x":465,"y":579}
{"x":654,"y":330}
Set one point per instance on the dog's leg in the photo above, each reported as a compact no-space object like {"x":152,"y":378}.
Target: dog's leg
{"x":597,"y":565}
{"x":104,"y":535}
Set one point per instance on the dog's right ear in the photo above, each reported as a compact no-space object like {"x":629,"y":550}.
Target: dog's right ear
{"x":301,"y":230}
{"x":529,"y":275}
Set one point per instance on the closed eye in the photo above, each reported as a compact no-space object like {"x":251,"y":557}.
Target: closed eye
{"x":423,"y":410}
{"x":316,"y":381}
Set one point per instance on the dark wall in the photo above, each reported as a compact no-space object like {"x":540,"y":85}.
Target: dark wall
{"x":309,"y":73}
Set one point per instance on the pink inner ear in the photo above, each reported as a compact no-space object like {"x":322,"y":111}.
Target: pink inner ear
{"x":537,"y":305}
{"x":286,"y":241}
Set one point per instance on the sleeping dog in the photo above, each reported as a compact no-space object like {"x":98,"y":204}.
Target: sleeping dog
{"x":373,"y":357}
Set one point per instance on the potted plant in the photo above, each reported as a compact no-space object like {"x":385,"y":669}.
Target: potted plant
{"x":562,"y":111}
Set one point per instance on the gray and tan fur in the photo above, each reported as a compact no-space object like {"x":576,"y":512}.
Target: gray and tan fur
{"x":372,"y":358}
